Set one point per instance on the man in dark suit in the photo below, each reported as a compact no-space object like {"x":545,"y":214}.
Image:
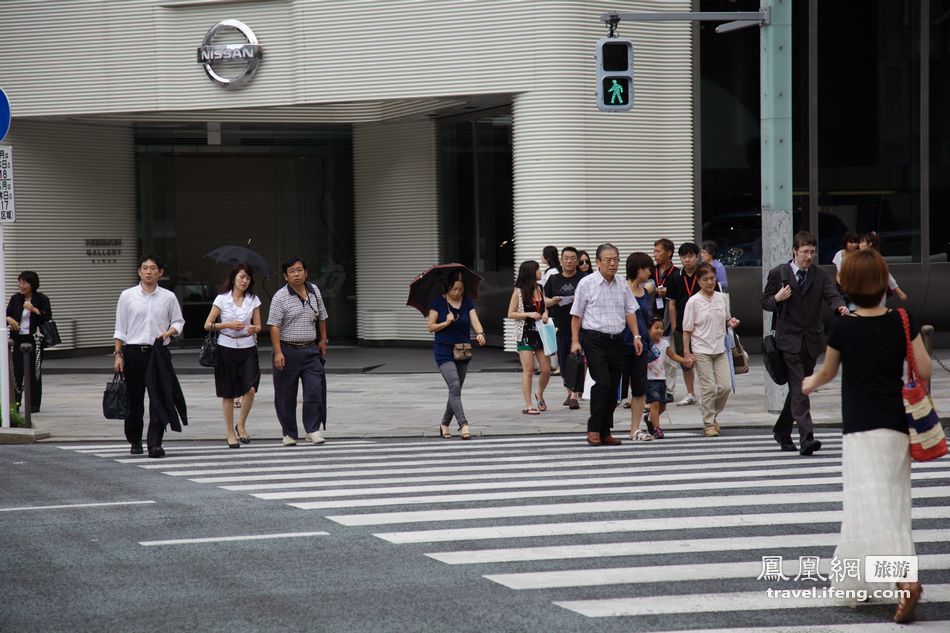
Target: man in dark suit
{"x":795,"y":292}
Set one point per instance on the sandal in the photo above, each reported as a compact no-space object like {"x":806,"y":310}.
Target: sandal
{"x":237,"y":403}
{"x":465,"y":432}
{"x":906,"y":604}
{"x":641,"y":436}
{"x":445,"y":431}
{"x":542,"y":405}
{"x":531,"y":411}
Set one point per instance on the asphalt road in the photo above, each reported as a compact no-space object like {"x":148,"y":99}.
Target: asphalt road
{"x":494,"y":535}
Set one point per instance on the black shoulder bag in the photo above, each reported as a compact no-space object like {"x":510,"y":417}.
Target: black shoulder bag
{"x":771,"y":355}
{"x":208,"y":355}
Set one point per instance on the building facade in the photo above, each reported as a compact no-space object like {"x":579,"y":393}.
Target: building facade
{"x":375,"y":140}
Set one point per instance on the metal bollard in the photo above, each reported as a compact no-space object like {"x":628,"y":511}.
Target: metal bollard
{"x":27,"y":405}
{"x":927,"y":336}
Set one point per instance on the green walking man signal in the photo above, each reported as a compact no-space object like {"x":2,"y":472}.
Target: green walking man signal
{"x":614,"y":74}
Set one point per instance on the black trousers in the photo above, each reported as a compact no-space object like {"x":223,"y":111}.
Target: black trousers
{"x":605,"y":362}
{"x":304,"y":365}
{"x":36,"y":382}
{"x":135,"y":359}
{"x":797,"y":405}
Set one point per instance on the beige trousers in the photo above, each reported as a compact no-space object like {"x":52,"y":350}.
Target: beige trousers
{"x":714,"y":385}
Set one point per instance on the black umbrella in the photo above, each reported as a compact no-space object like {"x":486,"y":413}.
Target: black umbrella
{"x":234,"y":255}
{"x":434,"y":282}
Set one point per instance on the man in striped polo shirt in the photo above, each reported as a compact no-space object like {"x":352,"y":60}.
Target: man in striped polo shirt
{"x":298,"y":332}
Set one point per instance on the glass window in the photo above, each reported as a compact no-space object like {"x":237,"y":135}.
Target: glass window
{"x":731,"y":133}
{"x":939,"y":130}
{"x":868,"y":125}
{"x":288,"y":190}
{"x":475,"y":192}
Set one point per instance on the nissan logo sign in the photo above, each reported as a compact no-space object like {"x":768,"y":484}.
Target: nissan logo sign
{"x":230,"y":65}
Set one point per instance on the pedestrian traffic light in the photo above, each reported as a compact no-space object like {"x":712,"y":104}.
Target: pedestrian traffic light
{"x":614,"y":74}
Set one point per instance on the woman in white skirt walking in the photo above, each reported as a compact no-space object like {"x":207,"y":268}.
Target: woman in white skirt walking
{"x":871,"y":348}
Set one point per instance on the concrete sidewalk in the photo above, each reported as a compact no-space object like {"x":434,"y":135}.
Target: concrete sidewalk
{"x":395,"y":392}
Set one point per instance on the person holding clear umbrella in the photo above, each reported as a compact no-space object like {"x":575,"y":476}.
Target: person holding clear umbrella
{"x":27,"y":310}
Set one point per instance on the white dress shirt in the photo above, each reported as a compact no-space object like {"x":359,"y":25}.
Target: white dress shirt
{"x":230,"y":311}
{"x":142,"y":317}
{"x":603,"y":306}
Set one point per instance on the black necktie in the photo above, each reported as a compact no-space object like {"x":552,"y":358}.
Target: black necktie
{"x":801,"y":277}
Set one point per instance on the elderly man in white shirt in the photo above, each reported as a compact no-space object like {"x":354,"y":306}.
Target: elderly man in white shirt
{"x":603,"y":306}
{"x":145,"y":313}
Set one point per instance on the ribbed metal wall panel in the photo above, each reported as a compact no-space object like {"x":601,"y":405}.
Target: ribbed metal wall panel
{"x":394,"y":168}
{"x":93,"y":56}
{"x":73,"y":182}
{"x":583,"y":177}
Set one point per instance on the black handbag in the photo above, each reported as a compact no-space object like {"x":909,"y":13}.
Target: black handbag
{"x":50,"y":334}
{"x":208,"y":355}
{"x":574,"y":372}
{"x":115,"y":399}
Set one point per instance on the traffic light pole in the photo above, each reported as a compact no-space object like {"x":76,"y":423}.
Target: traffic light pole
{"x":775,"y":67}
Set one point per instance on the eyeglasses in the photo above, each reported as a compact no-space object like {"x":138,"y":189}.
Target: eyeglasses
{"x":149,"y":269}
{"x":610,"y":260}
{"x":568,"y":258}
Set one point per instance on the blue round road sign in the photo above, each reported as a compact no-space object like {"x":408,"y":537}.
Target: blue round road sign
{"x":4,"y":115}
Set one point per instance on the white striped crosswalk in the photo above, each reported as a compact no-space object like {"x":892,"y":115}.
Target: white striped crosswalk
{"x":643,"y":530}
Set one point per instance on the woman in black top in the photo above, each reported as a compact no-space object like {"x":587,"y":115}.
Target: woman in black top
{"x":526,"y":307}
{"x":871,"y":348}
{"x":27,"y":310}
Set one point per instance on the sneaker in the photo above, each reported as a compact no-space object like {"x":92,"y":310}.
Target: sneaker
{"x":315,"y":438}
{"x":658,"y":433}
{"x":689,"y":399}
{"x":710,"y":431}
{"x":289,"y":441}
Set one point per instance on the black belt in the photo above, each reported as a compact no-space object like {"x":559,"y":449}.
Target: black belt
{"x":594,"y":334}
{"x":299,"y":345}
{"x":137,"y":348}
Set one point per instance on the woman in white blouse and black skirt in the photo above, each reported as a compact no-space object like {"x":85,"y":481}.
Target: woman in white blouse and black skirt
{"x":238,"y":373}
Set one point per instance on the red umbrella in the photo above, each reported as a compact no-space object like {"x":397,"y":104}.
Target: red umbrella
{"x":434,"y":282}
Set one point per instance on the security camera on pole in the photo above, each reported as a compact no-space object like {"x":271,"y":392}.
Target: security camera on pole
{"x":7,"y":216}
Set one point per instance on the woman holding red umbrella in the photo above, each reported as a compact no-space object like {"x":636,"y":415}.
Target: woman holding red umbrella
{"x":451,"y":318}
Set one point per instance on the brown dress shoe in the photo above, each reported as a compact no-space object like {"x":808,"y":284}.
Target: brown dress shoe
{"x":610,"y":440}
{"x":574,"y":404}
{"x":593,"y":439}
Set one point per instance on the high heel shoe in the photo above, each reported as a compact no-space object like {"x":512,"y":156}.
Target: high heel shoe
{"x":445,"y":431}
{"x":244,"y":439}
{"x":907,"y":604}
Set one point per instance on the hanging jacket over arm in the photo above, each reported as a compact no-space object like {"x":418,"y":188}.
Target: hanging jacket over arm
{"x":166,"y":402}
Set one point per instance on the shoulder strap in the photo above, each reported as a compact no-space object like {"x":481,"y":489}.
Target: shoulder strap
{"x":911,"y":361}
{"x":785,"y":273}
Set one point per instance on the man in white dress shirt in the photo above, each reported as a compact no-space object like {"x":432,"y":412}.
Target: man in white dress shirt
{"x":146,"y":315}
{"x":603,"y":306}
